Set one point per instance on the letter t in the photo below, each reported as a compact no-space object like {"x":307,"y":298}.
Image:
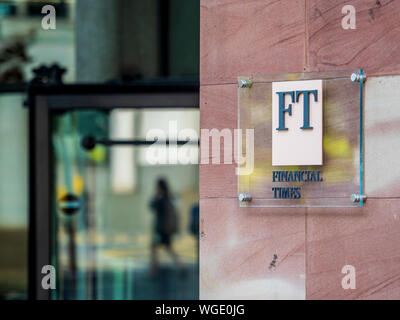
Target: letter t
{"x":306,"y":106}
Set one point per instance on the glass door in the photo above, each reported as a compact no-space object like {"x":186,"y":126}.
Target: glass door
{"x":104,"y":174}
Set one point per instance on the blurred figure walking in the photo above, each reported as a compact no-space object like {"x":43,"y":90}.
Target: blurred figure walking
{"x":165,"y":224}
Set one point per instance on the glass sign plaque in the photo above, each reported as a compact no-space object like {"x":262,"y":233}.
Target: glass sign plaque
{"x":302,"y":134}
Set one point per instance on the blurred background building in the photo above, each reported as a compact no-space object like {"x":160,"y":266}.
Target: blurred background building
{"x":112,"y":42}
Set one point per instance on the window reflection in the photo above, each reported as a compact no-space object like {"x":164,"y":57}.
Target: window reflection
{"x":104,"y":250}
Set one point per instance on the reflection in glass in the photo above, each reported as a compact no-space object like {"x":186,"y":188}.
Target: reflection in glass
{"x":103,"y":249}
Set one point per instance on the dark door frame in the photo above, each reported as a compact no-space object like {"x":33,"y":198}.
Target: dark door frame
{"x":42,"y":100}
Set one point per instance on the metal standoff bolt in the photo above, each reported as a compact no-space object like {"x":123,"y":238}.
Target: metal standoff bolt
{"x":243,"y":83}
{"x":244,"y":197}
{"x":355,"y":77}
{"x":357,"y":197}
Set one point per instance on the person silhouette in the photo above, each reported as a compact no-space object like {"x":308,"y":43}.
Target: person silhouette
{"x":165,"y":224}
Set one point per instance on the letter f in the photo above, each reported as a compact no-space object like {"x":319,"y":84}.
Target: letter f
{"x":282,"y":108}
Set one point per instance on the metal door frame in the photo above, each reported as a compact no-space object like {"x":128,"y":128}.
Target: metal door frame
{"x":42,"y":100}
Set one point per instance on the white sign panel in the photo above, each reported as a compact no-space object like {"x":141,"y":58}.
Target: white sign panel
{"x":297,"y":123}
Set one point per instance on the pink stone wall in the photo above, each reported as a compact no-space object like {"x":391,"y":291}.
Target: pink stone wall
{"x":237,"y":245}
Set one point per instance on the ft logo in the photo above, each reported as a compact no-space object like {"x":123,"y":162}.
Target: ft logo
{"x":297,"y":119}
